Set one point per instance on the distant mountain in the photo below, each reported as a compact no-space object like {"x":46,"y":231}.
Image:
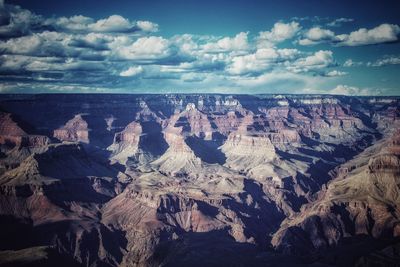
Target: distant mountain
{"x":199,"y":180}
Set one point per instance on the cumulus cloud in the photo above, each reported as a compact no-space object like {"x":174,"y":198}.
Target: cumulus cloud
{"x":131,"y":71}
{"x":21,"y":64}
{"x":209,"y":63}
{"x":261,"y":60}
{"x":59,"y":44}
{"x":338,"y":22}
{"x":51,"y":87}
{"x":78,"y":50}
{"x":95,"y":41}
{"x":147,"y":26}
{"x":351,"y":63}
{"x":114,"y":23}
{"x":68,"y":64}
{"x":279,"y":33}
{"x":15,"y":21}
{"x":21,"y":45}
{"x":74,"y":23}
{"x":319,"y":60}
{"x":237,"y":43}
{"x":335,"y":73}
{"x":384,"y":33}
{"x":352,"y":90}
{"x":246,"y":64}
{"x":389,"y":60}
{"x":144,"y":48}
{"x":282,"y":81}
{"x":317,"y":35}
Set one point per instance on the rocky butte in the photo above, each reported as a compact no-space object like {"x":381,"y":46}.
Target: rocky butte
{"x":199,"y":180}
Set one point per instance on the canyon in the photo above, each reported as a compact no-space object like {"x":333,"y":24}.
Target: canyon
{"x":199,"y":180}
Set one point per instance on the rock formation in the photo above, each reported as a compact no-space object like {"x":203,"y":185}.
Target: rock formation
{"x":75,"y":130}
{"x":363,"y":200}
{"x":126,"y":143}
{"x":179,"y":159}
{"x":199,"y":180}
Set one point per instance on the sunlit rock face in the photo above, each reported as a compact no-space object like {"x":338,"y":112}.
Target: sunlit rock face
{"x":126,"y":143}
{"x":146,"y":180}
{"x":75,"y":130}
{"x":361,"y":200}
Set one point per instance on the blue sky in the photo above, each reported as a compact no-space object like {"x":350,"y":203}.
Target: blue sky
{"x":287,"y":46}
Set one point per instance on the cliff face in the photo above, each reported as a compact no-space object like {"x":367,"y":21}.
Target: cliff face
{"x":363,"y":200}
{"x":13,"y":135}
{"x":179,"y":159}
{"x":248,"y":151}
{"x":145,"y":180}
{"x":16,"y":144}
{"x":75,"y":130}
{"x":126,"y":143}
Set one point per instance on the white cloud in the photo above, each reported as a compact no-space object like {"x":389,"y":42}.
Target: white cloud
{"x":279,"y":33}
{"x":74,"y":23}
{"x":43,"y":44}
{"x":83,"y":50}
{"x":383,"y":33}
{"x":21,"y":45}
{"x":338,"y":22}
{"x":288,"y":53}
{"x":132,"y":71}
{"x":261,"y":60}
{"x":237,"y":43}
{"x":114,"y":23}
{"x":282,"y":81}
{"x":145,"y":48}
{"x":335,"y":73}
{"x":147,"y":26}
{"x":351,"y":63}
{"x":393,"y":60}
{"x":317,"y":35}
{"x":352,"y":90}
{"x":348,"y":63}
{"x":18,"y":64}
{"x":246,"y":64}
{"x":51,"y":87}
{"x":187,"y":44}
{"x":69,"y":64}
{"x":94,"y":40}
{"x":320,"y":59}
{"x":16,"y":21}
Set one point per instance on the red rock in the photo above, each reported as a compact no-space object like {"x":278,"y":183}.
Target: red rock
{"x":75,"y":130}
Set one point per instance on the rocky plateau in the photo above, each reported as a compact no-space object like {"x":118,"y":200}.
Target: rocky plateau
{"x":199,"y":180}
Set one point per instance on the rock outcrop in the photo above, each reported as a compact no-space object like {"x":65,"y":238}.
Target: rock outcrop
{"x":198,"y":122}
{"x":363,"y":200}
{"x":75,"y":130}
{"x":179,"y":159}
{"x":198,"y":180}
{"x":247,"y":152}
{"x":126,"y":143}
{"x":11,"y":134}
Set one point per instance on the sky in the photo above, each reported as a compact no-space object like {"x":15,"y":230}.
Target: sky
{"x":187,"y":46}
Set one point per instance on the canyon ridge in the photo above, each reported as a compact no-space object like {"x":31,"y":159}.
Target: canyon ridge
{"x":199,"y":180}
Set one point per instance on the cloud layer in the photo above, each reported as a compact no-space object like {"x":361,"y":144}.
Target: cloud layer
{"x":384,"y":33}
{"x":117,"y":53}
